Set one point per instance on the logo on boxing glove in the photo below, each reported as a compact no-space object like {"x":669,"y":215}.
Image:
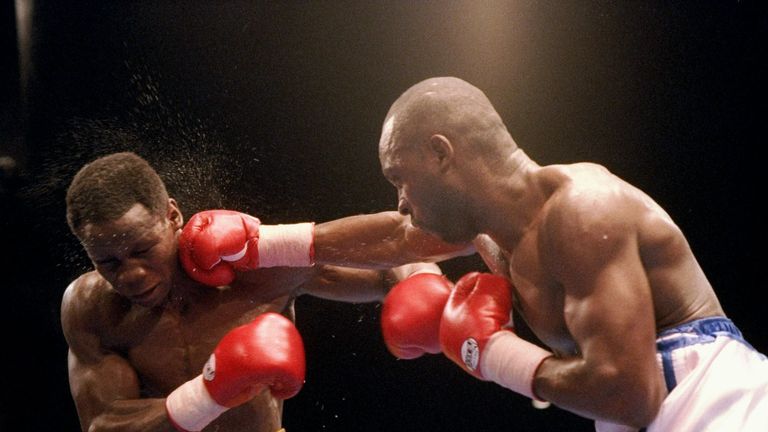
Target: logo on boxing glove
{"x":209,"y":370}
{"x":470,"y":353}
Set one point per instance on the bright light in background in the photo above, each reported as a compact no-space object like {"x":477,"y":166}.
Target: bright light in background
{"x":490,"y":37}
{"x":24,"y":36}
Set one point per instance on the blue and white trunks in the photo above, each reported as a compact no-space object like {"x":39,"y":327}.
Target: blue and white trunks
{"x":716,"y":380}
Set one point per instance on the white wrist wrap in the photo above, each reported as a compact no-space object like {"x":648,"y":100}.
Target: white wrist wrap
{"x":191,"y":407}
{"x":286,"y":245}
{"x":432,"y":269}
{"x":511,"y":362}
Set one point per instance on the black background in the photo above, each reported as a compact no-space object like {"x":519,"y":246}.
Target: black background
{"x":275,"y":108}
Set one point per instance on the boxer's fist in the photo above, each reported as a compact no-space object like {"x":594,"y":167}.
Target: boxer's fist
{"x":475,"y":334}
{"x":266,"y":353}
{"x":479,"y":306}
{"x":410,"y":316}
{"x":216,"y":243}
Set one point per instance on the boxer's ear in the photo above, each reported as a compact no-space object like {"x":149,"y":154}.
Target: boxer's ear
{"x":174,"y":215}
{"x":441,"y":149}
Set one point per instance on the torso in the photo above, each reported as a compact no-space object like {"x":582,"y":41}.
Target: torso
{"x":169,"y":345}
{"x":678,"y":285}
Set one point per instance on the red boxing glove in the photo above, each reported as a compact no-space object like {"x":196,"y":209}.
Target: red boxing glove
{"x":410,"y":316}
{"x":216,"y":243}
{"x":266,"y":353}
{"x":479,"y":307}
{"x":474,"y":334}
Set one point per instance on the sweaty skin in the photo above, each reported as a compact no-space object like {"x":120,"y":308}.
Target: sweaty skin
{"x":598,"y":267}
{"x":138,"y":327}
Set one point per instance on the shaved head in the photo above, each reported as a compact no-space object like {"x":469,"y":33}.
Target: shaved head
{"x":450,"y":107}
{"x":438,"y":139}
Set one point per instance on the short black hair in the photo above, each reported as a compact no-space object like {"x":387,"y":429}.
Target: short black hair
{"x":104,"y":189}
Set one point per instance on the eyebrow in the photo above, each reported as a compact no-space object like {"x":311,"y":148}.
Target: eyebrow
{"x":389,"y":172}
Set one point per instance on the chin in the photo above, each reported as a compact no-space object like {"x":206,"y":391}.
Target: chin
{"x":156,"y":298}
{"x":450,"y":236}
{"x":458,"y":238}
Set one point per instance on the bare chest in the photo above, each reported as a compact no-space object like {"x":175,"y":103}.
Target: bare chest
{"x":538,"y":300}
{"x":170,"y":346}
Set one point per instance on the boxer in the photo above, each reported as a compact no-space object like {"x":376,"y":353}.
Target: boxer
{"x":634,"y":335}
{"x":153,"y":349}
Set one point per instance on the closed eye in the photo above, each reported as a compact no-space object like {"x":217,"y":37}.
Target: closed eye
{"x":143,"y":250}
{"x":109,"y":264}
{"x":391,"y":176}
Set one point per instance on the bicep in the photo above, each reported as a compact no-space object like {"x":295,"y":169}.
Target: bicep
{"x":98,"y":381}
{"x":608,"y":309}
{"x":97,"y":376}
{"x":592,"y":252}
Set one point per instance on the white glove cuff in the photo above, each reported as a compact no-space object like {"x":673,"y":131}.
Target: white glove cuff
{"x":408,"y":270}
{"x":288,"y":245}
{"x":511,"y":362}
{"x":427,"y":268}
{"x":191,"y":407}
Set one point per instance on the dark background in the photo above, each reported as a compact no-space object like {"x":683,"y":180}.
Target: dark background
{"x":275,"y":108}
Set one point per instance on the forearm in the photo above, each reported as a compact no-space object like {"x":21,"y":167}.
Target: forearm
{"x":106,"y":391}
{"x":382,"y":241}
{"x":139,"y":415}
{"x":569,"y":383}
{"x":366,"y":241}
{"x":397,"y":274}
{"x":596,"y":392}
{"x":349,"y":285}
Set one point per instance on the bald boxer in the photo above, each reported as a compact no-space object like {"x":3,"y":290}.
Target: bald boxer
{"x":635,"y":335}
{"x":152,"y":349}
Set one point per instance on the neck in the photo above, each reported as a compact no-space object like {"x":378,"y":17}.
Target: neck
{"x":183,"y":290}
{"x":513,"y":200}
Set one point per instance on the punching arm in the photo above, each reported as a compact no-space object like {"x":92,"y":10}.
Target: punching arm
{"x":381,"y":240}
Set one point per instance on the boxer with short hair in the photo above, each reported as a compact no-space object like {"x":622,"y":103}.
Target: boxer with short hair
{"x":152,"y":349}
{"x":635,"y":335}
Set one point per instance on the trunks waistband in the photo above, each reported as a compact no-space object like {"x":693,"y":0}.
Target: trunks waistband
{"x":695,"y":332}
{"x":700,"y":331}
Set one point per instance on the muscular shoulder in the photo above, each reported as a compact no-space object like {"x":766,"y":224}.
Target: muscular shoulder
{"x":86,"y":305}
{"x":595,"y":201}
{"x":591,"y":210}
{"x":592,"y":200}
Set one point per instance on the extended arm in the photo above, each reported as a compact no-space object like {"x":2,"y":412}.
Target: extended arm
{"x":355,"y":285}
{"x":215,"y":244}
